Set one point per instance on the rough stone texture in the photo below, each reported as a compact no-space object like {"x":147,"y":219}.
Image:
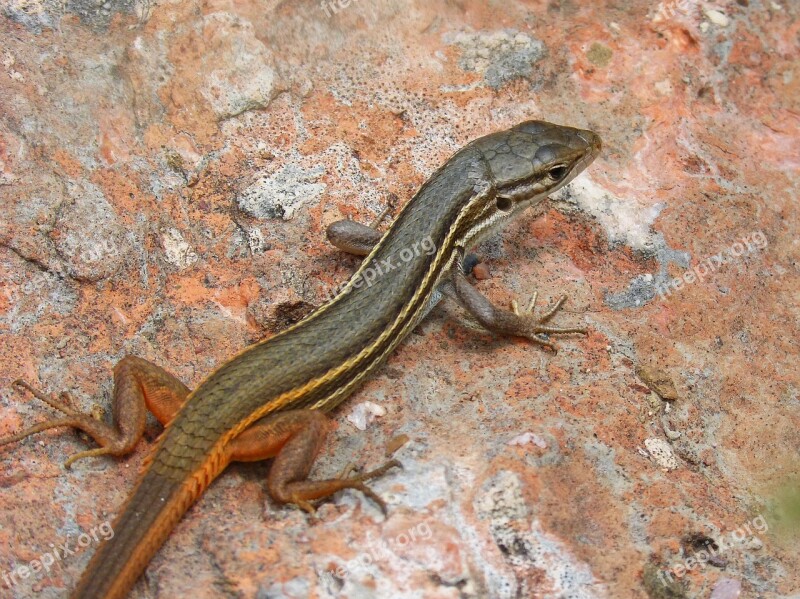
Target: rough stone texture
{"x":167,"y":171}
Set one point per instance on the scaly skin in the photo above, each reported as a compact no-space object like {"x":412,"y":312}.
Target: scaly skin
{"x":317,"y":363}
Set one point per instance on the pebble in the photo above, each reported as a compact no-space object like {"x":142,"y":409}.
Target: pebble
{"x":726,"y":588}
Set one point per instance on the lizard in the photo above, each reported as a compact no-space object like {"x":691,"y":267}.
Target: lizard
{"x":271,"y":399}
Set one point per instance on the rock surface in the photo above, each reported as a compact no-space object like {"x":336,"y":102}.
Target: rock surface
{"x":167,"y":171}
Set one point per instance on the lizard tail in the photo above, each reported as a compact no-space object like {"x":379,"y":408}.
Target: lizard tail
{"x":156,"y":505}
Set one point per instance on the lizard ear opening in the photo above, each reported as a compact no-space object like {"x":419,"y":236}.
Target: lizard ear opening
{"x":504,"y":203}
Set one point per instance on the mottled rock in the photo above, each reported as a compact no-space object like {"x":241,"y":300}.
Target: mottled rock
{"x":167,"y":171}
{"x":88,"y":235}
{"x":726,"y":588}
{"x":245,"y":79}
{"x":281,"y":194}
{"x":658,"y":381}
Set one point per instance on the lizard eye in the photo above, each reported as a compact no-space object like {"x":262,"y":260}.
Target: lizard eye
{"x":505,"y":204}
{"x":557,"y":172}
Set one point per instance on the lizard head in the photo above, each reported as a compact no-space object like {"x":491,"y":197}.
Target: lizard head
{"x":524,"y":165}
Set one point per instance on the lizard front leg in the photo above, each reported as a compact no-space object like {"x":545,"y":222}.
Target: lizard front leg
{"x":508,"y":322}
{"x":352,"y":237}
{"x":139,"y":385}
{"x":359,"y":240}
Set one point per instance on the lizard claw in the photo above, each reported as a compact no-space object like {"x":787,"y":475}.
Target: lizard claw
{"x":536,"y":327}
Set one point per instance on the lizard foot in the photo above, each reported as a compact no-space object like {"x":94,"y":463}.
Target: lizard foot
{"x":304,"y":493}
{"x":535,"y":327}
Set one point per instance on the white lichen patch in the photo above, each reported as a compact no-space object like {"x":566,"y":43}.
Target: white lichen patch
{"x":500,"y":56}
{"x":280,"y":195}
{"x":623,"y":221}
{"x":365,"y":414}
{"x":256,"y":241}
{"x":9,"y":60}
{"x":177,"y":250}
{"x":661,"y":452}
{"x":502,"y":500}
{"x":717,"y":17}
{"x":529,"y":439}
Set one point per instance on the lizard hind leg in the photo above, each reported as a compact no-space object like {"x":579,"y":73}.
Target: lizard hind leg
{"x":138,"y":385}
{"x":294,"y":438}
